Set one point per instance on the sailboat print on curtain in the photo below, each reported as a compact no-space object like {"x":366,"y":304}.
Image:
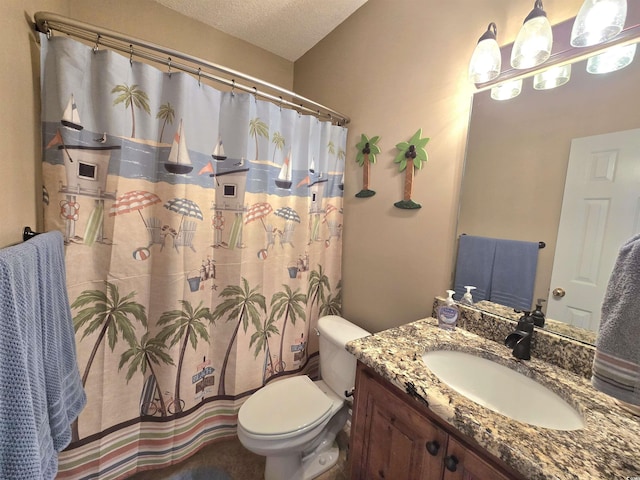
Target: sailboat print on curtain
{"x":284,"y":177}
{"x":218,"y":151}
{"x":70,"y":116}
{"x":179,"y":161}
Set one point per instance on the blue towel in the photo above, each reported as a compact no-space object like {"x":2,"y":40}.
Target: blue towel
{"x":41,"y":388}
{"x":616,"y":366}
{"x":474,"y":266}
{"x":514,"y":273}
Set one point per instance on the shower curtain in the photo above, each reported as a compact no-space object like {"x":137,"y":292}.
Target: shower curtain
{"x":203,"y":241}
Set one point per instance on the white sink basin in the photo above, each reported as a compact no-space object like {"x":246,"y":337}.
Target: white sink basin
{"x":502,"y":390}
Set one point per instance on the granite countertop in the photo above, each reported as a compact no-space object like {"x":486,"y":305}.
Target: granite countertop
{"x":607,"y":448}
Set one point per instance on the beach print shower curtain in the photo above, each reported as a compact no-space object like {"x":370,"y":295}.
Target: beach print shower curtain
{"x":203,"y":241}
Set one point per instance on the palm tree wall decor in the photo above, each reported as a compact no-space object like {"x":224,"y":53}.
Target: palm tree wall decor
{"x":412,"y":155}
{"x":367,"y":151}
{"x":131,"y":96}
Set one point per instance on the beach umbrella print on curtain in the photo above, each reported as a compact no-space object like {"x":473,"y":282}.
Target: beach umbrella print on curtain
{"x":291,"y":218}
{"x":258,"y":211}
{"x":288,"y":214}
{"x":184,"y":207}
{"x":134,"y":200}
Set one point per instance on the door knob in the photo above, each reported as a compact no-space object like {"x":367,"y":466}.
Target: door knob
{"x":558,"y":292}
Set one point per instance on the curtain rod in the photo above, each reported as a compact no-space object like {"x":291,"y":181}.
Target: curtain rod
{"x":45,"y":22}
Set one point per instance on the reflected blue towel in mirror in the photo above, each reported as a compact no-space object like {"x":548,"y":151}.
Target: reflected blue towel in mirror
{"x":503,"y":271}
{"x":514,"y":273}
{"x":474,"y":266}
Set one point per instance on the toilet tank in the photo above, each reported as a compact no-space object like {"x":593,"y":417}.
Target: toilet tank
{"x":337,"y":366}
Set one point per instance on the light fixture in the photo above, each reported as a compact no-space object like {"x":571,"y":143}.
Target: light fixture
{"x":507,"y":90}
{"x":613,"y":59}
{"x":598,"y":21}
{"x":535,"y":38}
{"x":486,"y":60}
{"x":552,"y":78}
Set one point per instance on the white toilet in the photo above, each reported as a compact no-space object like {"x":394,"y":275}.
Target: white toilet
{"x":294,"y":422}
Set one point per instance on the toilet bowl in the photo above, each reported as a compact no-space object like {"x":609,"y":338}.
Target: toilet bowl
{"x":294,"y":421}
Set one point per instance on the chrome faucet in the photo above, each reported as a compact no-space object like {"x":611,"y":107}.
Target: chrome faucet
{"x":520,"y":339}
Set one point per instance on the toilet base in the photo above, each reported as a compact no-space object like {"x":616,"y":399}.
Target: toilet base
{"x":291,"y":467}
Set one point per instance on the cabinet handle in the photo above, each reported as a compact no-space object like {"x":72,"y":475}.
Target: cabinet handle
{"x":433,"y":447}
{"x":451,"y":463}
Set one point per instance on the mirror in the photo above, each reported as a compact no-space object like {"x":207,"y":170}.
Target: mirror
{"x":517,"y":156}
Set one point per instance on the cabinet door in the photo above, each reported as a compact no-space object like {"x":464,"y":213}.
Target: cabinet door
{"x":463,"y":464}
{"x":390,"y":439}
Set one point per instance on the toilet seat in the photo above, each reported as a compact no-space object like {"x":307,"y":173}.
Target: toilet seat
{"x":285,"y":408}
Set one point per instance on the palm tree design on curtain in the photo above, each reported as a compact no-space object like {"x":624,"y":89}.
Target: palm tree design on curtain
{"x":333,"y":305}
{"x":132,"y":96}
{"x":144,"y":354}
{"x":367,"y":151}
{"x":186,"y":325}
{"x":278,"y":140}
{"x":317,"y":283}
{"x":240,"y":304}
{"x":257,"y":128}
{"x":167,"y":115}
{"x":412,"y":155}
{"x":331,"y":148}
{"x":287,"y":305}
{"x":110,"y":313}
{"x":261,"y":339}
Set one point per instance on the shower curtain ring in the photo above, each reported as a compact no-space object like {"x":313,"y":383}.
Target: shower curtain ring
{"x":47,"y":30}
{"x":169,"y":65}
{"x":199,"y":73}
{"x":95,"y":47}
{"x":280,"y":104}
{"x":255,"y":94}
{"x":233,"y":86}
{"x":130,"y":54}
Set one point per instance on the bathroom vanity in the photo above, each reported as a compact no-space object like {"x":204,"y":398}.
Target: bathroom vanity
{"x":433,"y":432}
{"x":395,"y":437}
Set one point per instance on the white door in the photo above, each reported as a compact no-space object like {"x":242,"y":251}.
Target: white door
{"x":600,"y":212}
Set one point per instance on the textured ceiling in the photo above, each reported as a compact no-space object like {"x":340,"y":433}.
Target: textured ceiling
{"x":288,"y":28}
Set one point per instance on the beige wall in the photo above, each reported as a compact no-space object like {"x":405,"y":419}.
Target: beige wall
{"x":20,"y":134}
{"x":20,"y":195}
{"x":396,"y":66}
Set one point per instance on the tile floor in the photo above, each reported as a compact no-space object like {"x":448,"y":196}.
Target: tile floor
{"x":238,"y":462}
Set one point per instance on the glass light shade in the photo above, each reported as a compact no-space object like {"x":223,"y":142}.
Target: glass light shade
{"x":552,"y":78}
{"x":534,"y":41}
{"x":507,"y":90}
{"x":598,"y":21}
{"x":486,"y":60}
{"x":612,"y":59}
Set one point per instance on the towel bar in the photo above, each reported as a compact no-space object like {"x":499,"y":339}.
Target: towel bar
{"x":27,"y":233}
{"x":541,"y":245}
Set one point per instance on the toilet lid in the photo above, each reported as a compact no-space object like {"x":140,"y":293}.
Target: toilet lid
{"x":285,"y":406}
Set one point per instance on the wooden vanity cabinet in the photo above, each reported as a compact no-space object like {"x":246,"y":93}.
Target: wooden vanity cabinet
{"x":394,"y":437}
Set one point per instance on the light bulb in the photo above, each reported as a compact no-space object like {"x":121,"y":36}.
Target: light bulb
{"x":598,"y":21}
{"x":486,"y":60}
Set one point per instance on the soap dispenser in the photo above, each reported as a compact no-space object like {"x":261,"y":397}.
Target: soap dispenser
{"x":537,"y":314}
{"x":467,"y":299}
{"x":448,"y":313}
